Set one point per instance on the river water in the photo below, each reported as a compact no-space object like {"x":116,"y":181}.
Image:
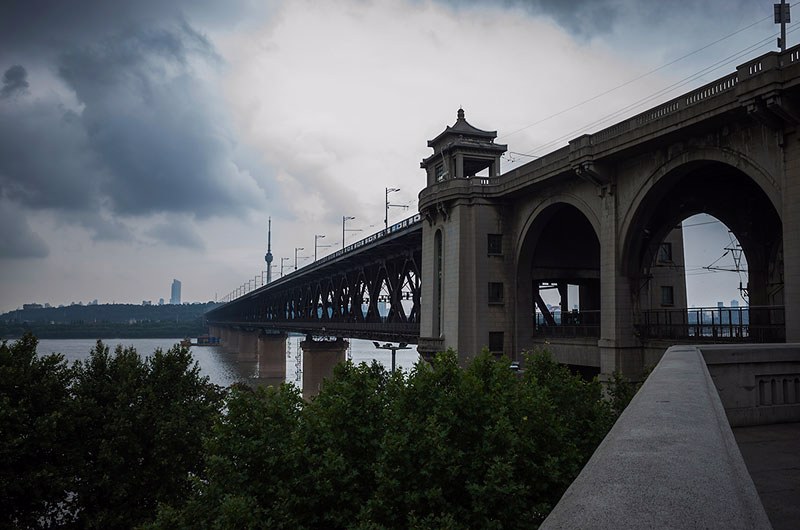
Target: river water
{"x":225,"y":368}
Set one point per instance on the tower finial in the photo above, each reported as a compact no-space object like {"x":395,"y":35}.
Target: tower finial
{"x":460,"y":113}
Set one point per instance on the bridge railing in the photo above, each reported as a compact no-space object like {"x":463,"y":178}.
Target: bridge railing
{"x":749,"y":69}
{"x":569,"y":324}
{"x":715,"y":324}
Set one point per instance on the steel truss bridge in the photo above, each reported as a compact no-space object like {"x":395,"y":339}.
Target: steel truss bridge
{"x":369,"y":290}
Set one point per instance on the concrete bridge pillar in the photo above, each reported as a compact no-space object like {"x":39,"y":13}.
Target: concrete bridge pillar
{"x":272,"y":356}
{"x":223,"y":336}
{"x":215,"y":331}
{"x":791,"y":240}
{"x":248,"y":341}
{"x":319,"y":359}
{"x":619,"y":348}
{"x":232,"y":339}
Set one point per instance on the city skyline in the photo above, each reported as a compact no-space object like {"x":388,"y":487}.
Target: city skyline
{"x":143,"y":138}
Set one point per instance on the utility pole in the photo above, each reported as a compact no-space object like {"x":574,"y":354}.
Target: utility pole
{"x":344,"y":222}
{"x":317,"y":237}
{"x":295,"y":256}
{"x":782,"y":17}
{"x":282,"y":261}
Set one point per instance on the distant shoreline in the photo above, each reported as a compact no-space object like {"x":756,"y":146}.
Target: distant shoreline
{"x":150,"y":330}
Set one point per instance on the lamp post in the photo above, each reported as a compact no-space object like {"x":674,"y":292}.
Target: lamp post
{"x":295,"y":256}
{"x":390,"y":346}
{"x":386,"y":211}
{"x":317,"y":237}
{"x":344,"y":222}
{"x":282,"y":261}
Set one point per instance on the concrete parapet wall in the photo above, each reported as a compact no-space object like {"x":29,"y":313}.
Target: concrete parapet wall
{"x":670,"y":461}
{"x":757,"y":384}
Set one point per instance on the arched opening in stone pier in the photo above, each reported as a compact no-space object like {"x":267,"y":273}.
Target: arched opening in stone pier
{"x":558,"y":287}
{"x":739,"y":202}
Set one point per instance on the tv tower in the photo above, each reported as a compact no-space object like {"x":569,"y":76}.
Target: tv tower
{"x":268,"y":256}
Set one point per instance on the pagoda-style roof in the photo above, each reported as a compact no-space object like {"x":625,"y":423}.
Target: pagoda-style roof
{"x":463,"y":136}
{"x":463,"y":128}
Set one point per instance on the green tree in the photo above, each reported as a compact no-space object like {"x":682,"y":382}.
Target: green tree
{"x":35,"y":436}
{"x":443,"y":447}
{"x":252,"y":466}
{"x":141,"y":425}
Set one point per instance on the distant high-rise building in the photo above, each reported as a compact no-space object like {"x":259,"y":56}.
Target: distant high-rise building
{"x":175,"y":298}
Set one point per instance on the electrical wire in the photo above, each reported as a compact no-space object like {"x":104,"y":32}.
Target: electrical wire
{"x":633,"y":80}
{"x":719,"y":64}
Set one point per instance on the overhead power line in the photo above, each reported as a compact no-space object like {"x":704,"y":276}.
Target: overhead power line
{"x":633,"y":80}
{"x":614,"y":115}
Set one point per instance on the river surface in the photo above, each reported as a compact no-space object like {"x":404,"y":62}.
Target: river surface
{"x":225,"y":368}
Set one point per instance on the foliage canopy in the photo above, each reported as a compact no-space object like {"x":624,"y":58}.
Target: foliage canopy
{"x":118,"y":441}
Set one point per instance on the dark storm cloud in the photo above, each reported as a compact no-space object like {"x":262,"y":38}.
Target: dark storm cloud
{"x":149,"y":133}
{"x":155,"y":125}
{"x":17,"y":240}
{"x":14,"y":81}
{"x":44,"y":26}
{"x":46,"y":160}
{"x":589,"y":18}
{"x":177,"y":234}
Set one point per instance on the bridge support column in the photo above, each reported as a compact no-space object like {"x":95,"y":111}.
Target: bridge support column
{"x":791,"y":240}
{"x":231,"y":339}
{"x":272,"y":356}
{"x":319,"y":359}
{"x":619,"y":349}
{"x":248,"y":342}
{"x":215,"y":331}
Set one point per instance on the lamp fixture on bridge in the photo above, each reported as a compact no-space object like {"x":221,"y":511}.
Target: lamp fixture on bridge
{"x":386,"y":211}
{"x":282,"y":262}
{"x":390,"y":346}
{"x":345,"y":218}
{"x":317,"y":237}
{"x":295,"y":256}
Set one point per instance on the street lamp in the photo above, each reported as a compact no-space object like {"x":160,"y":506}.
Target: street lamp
{"x":282,"y":260}
{"x":295,"y":256}
{"x":344,"y":222}
{"x":317,"y":237}
{"x":386,"y":212}
{"x":390,"y":346}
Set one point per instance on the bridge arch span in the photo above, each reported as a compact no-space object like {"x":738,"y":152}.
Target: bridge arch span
{"x":558,"y":247}
{"x":769,"y":184}
{"x":729,"y":187}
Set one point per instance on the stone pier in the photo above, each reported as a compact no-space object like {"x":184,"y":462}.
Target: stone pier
{"x":272,"y":356}
{"x":319,"y":359}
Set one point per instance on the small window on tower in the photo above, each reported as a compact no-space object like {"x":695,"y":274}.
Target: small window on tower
{"x":496,"y":341}
{"x":495,"y":244}
{"x":495,"y":292}
{"x":665,"y":253}
{"x":667,"y":295}
{"x":439,"y":171}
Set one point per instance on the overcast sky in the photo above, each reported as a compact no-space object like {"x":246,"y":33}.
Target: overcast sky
{"x":150,"y":140}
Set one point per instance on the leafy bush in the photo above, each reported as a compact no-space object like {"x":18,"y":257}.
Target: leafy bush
{"x":100,"y":444}
{"x":443,"y":447}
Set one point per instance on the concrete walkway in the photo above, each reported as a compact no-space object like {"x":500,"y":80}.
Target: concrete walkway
{"x":772,"y":456}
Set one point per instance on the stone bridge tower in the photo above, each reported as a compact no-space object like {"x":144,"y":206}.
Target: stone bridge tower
{"x":462,"y":241}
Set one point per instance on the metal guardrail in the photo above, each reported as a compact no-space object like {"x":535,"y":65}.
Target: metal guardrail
{"x":715,"y":324}
{"x":569,"y":324}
